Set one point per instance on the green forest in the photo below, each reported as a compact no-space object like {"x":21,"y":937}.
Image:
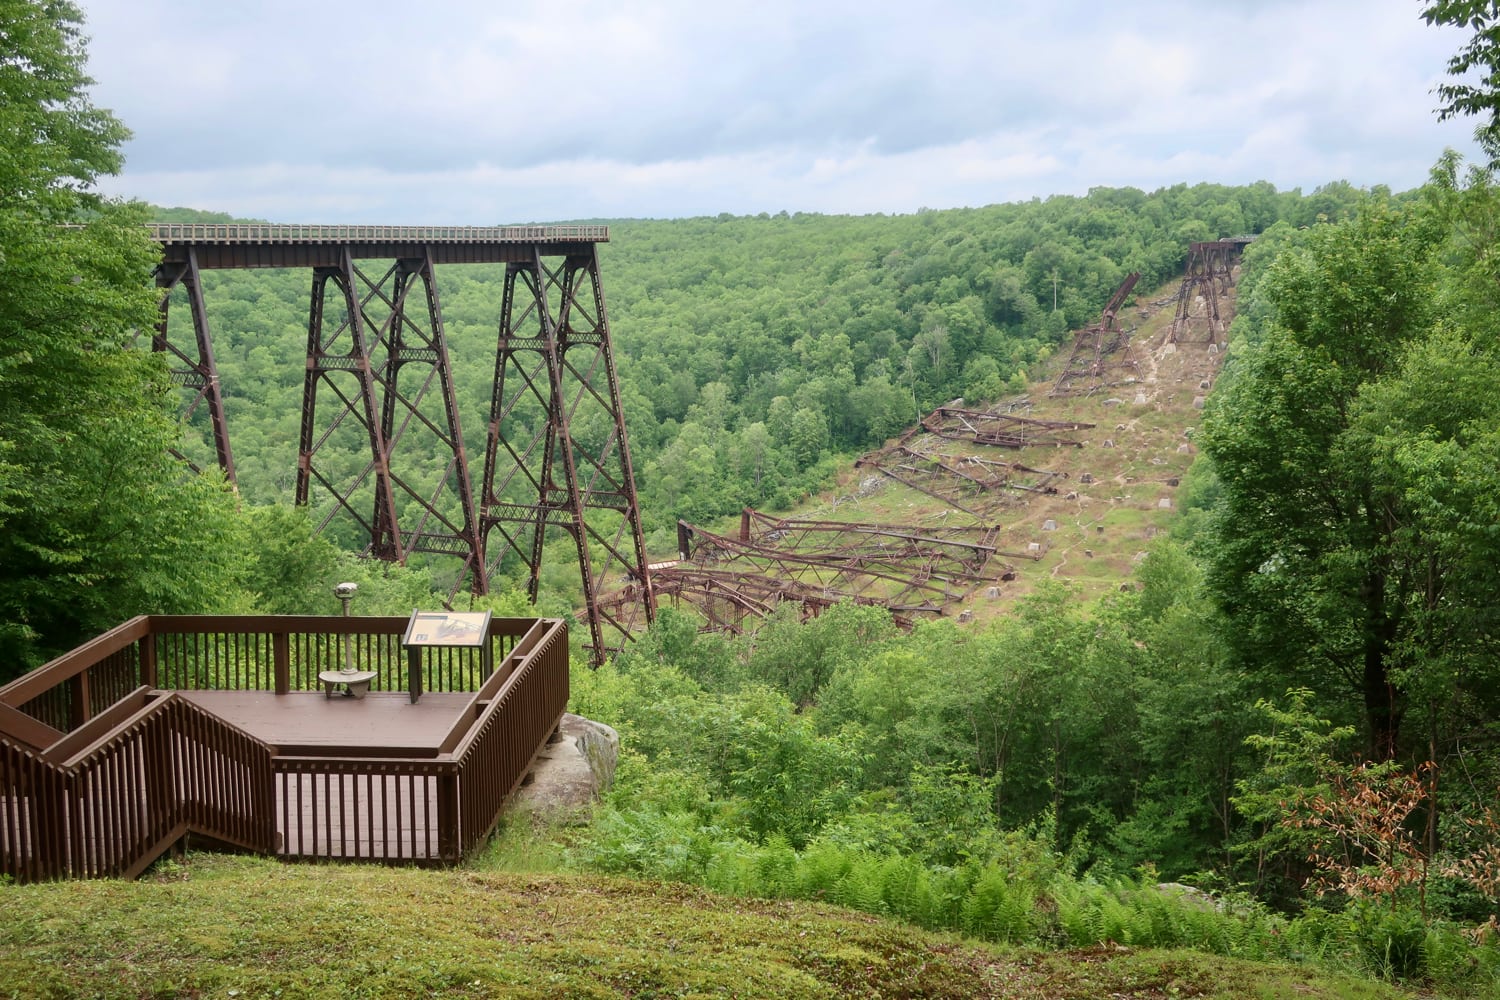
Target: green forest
{"x":756,"y":353}
{"x":1291,"y":708}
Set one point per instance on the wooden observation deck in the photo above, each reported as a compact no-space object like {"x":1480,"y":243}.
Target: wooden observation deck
{"x":218,"y":727}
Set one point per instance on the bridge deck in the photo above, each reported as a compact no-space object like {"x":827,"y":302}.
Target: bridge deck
{"x":221,"y":246}
{"x":221,"y":233}
{"x":227,"y":246}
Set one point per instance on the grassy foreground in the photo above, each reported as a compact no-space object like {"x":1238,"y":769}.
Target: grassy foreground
{"x":244,"y":927}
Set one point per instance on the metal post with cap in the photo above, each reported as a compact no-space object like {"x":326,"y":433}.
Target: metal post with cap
{"x":356,"y":683}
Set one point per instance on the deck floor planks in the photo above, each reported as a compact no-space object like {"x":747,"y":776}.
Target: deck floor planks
{"x":383,"y":721}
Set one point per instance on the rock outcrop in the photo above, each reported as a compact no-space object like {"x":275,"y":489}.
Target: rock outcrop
{"x":570,"y":772}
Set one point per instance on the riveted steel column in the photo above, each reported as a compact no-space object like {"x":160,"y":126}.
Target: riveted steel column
{"x":200,"y":374}
{"x":419,"y":356}
{"x":323,"y":362}
{"x":551,"y":366}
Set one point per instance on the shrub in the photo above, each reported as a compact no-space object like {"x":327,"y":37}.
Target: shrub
{"x":1392,"y":943}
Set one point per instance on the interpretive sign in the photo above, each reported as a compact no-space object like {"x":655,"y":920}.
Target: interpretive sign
{"x":445,"y":629}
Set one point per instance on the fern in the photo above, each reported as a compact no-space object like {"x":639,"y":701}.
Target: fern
{"x":906,"y":890}
{"x":860,"y":888}
{"x":822,"y":867}
{"x":776,"y":870}
{"x":996,"y":910}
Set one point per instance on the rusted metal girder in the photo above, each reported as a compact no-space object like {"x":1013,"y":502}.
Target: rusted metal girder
{"x":383,"y":358}
{"x":197,"y":372}
{"x":977,"y":486}
{"x":929,"y":566}
{"x":558,"y":456}
{"x":1095,"y":347}
{"x":1000,"y":430}
{"x":730,"y":601}
{"x":909,"y":571}
{"x":1210,"y":272}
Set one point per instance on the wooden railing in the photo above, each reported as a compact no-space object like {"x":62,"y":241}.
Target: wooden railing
{"x":440,"y":809}
{"x":278,"y":653}
{"x":495,"y":754}
{"x":110,"y":809}
{"x":101,"y":769}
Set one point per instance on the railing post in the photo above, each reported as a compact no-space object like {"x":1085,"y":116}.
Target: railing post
{"x":161,"y":794}
{"x":447,"y":817}
{"x":78,"y":699}
{"x":282,"y":655}
{"x":263,"y":803}
{"x":414,"y":672}
{"x":147,"y":650}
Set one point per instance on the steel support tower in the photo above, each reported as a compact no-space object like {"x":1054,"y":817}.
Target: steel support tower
{"x":558,"y":456}
{"x":196,"y":371}
{"x":1209,"y":272}
{"x":378,"y":384}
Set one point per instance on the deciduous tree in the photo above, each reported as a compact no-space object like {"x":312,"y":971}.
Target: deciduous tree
{"x":96,"y":521}
{"x":1353,"y":447}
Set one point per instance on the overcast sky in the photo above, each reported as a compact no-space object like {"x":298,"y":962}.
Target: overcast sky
{"x":482,"y":112}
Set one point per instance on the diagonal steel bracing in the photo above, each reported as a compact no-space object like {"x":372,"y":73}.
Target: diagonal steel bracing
{"x":197,"y":371}
{"x":977,"y":486}
{"x":911,"y":572}
{"x":558,"y":457}
{"x":378,"y":398}
{"x":1098,"y":349}
{"x":1000,"y":430}
{"x":378,"y":362}
{"x":732,"y":602}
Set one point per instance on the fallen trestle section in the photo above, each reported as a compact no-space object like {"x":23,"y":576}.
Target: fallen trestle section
{"x":1001,"y":430}
{"x":912,"y":572}
{"x":977,"y":486}
{"x":378,"y":382}
{"x":1099,"y":349}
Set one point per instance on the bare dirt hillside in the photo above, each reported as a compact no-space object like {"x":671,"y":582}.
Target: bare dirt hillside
{"x":1091,"y":498}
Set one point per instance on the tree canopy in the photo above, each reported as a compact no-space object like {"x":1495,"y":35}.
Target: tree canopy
{"x":1352,"y":440}
{"x":97,"y":521}
{"x":1481,"y":54}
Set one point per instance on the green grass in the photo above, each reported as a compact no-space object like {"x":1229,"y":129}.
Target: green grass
{"x":243,"y":927}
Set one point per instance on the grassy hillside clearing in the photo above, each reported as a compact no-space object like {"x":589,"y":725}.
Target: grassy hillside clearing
{"x":236,"y":927}
{"x":1116,"y":493}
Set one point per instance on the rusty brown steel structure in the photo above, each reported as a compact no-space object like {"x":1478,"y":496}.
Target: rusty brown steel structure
{"x":911,"y":572}
{"x":378,"y":381}
{"x":1209,"y":274}
{"x":1098,"y":349}
{"x":378,"y":357}
{"x":731,"y":602}
{"x":195,"y":371}
{"x":112,"y":754}
{"x":975,"y":485}
{"x":1001,"y":430}
{"x":558,"y":455}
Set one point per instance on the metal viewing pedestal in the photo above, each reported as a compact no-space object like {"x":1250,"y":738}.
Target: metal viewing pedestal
{"x":356,"y":683}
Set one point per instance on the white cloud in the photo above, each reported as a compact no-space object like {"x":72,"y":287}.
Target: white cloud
{"x":368,"y":110}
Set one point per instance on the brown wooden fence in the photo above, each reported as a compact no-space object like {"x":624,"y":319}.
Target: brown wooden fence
{"x":102,"y":768}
